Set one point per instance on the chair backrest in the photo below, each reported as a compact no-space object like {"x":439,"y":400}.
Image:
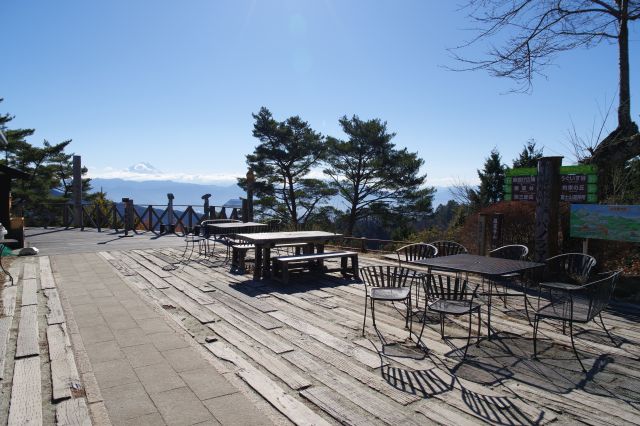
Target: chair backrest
{"x":416,"y":251}
{"x":388,"y":276}
{"x":597,"y":293}
{"x":440,"y":286}
{"x":569,"y":267}
{"x":512,"y":251}
{"x":448,"y":248}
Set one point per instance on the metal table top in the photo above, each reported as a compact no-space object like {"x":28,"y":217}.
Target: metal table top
{"x":483,"y":265}
{"x":235,"y":225}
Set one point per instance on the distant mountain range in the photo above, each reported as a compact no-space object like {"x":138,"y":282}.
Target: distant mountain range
{"x":155,"y":192}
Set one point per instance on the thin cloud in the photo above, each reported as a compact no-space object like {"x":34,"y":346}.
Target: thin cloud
{"x":111,"y":173}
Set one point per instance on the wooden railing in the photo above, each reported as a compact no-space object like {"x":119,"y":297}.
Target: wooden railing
{"x":154,"y":218}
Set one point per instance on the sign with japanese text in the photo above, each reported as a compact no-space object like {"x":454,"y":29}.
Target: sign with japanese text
{"x":578,"y":184}
{"x":605,"y":222}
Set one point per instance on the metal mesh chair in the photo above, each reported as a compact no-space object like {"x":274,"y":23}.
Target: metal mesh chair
{"x":513,"y":252}
{"x":415,"y":251}
{"x":388,"y":283}
{"x":448,"y":248}
{"x":571,"y":268}
{"x":577,"y":303}
{"x":450,"y":295}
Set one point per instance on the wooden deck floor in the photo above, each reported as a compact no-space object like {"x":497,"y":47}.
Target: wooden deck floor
{"x":300,"y":347}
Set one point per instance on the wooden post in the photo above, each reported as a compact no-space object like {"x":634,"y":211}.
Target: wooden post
{"x":547,"y":202}
{"x":251,"y":180}
{"x":125,"y":202}
{"x":170,"y":217}
{"x":206,"y":197}
{"x":245,"y":210}
{"x":5,"y":199}
{"x":77,"y":193}
{"x":496,"y":230}
{"x":482,"y":234}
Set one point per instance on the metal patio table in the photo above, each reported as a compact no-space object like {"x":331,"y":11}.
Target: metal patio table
{"x":488,"y":268}
{"x":264,"y":241}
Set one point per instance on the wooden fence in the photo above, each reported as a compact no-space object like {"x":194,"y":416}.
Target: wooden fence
{"x":154,"y":218}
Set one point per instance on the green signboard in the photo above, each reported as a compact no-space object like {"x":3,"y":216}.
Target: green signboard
{"x":579,"y":184}
{"x":618,"y":223}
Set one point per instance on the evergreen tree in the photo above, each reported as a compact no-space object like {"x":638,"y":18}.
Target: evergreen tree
{"x":287,"y":152}
{"x":368,"y":171}
{"x":529,"y":156}
{"x":492,"y":179}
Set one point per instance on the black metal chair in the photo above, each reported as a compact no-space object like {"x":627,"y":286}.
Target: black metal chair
{"x":576,"y":303}
{"x":415,"y":251}
{"x":388,"y":283}
{"x":571,"y":268}
{"x":448,"y":248}
{"x":512,"y":252}
{"x":450,"y":295}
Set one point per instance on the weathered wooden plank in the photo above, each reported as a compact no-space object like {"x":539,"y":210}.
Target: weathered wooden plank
{"x":328,"y":401}
{"x":64,"y":375}
{"x":8,"y":301}
{"x":440,"y":413}
{"x":341,"y":362}
{"x":145,"y":263}
{"x":188,"y":289}
{"x":5,"y":327}
{"x":73,"y":412}
{"x":328,"y":319}
{"x":29,"y":292}
{"x":271,"y":363}
{"x":198,"y":311}
{"x":29,"y":271}
{"x":26,"y":393}
{"x":46,"y":275}
{"x":28,"y":332}
{"x":153,"y":279}
{"x":293,"y":409}
{"x":368,"y":358}
{"x":379,"y":407}
{"x":276,"y":344}
{"x":55,"y":314}
{"x":263,"y":320}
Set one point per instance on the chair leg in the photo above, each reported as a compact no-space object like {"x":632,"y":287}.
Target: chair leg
{"x":536,"y":321}
{"x":442,"y":325}
{"x":373,"y":312}
{"x":605,"y":329}
{"x":573,"y":345}
{"x":466,"y":348}
{"x":479,"y":322}
{"x":364,"y":322}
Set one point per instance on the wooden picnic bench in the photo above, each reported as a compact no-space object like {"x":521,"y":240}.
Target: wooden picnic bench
{"x":283,"y":265}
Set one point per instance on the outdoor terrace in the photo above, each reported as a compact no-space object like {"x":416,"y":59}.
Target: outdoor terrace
{"x":299,"y":347}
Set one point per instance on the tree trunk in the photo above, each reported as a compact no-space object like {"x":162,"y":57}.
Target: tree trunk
{"x":608,"y":154}
{"x":624,"y":106}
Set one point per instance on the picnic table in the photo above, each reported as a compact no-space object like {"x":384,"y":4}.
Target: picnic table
{"x":489,"y":268}
{"x":264,"y":241}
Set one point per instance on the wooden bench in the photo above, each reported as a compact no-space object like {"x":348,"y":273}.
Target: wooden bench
{"x":283,"y":265}
{"x":239,"y":253}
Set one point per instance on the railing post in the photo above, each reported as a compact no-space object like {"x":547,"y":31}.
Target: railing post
{"x":363,"y":244}
{"x":206,"y":197}
{"x":150,"y":215}
{"x":170,"y":216}
{"x":114,"y":215}
{"x":78,"y":217}
{"x":98,"y":217}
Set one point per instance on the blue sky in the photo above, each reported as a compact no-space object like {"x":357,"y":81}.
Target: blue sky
{"x":174,"y":83}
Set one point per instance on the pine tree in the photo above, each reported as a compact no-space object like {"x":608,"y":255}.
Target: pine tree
{"x":492,"y":179}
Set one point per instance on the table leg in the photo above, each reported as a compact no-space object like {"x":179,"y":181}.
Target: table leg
{"x":257,"y":271}
{"x":266,"y":262}
{"x":320,"y":249}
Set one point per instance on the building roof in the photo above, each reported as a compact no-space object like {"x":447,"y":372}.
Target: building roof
{"x":13,"y":173}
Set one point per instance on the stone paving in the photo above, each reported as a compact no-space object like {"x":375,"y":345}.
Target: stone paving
{"x":144,"y":369}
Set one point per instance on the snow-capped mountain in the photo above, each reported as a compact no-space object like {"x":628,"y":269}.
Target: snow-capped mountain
{"x":144,"y":168}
